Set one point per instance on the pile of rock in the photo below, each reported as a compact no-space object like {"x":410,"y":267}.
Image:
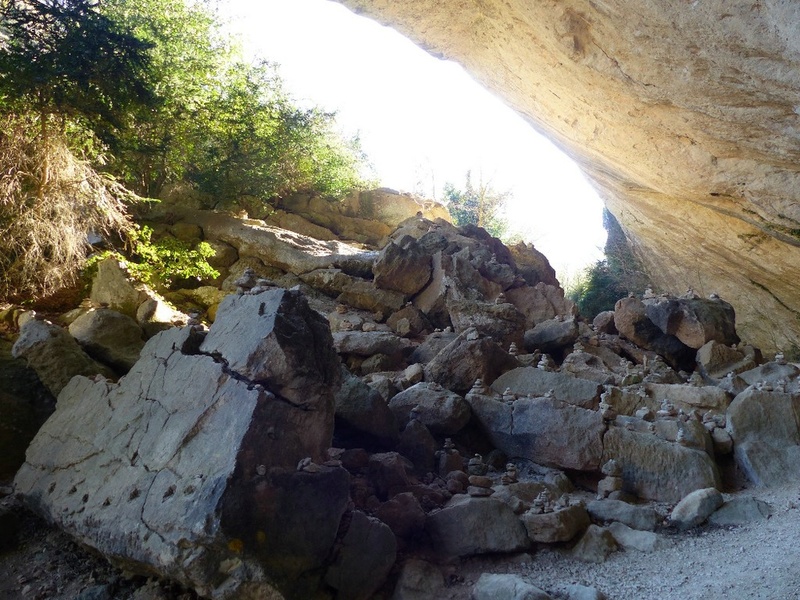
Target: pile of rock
{"x":310,"y":432}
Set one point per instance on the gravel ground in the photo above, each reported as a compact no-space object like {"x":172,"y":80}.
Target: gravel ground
{"x":758,"y":561}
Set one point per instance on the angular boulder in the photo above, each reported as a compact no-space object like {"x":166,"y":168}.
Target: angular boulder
{"x":551,"y":335}
{"x":766,"y":436}
{"x":467,"y":526}
{"x":632,"y":321}
{"x":565,"y":387}
{"x":54,"y":355}
{"x":403,"y":268}
{"x":558,"y":526}
{"x":442,"y":411}
{"x":695,"y":508}
{"x":460,"y":363}
{"x":367,"y":552}
{"x":362,"y":414}
{"x":694,"y":321}
{"x":109,"y":336}
{"x":188,"y":467}
{"x":543,"y":430}
{"x":655,"y":469}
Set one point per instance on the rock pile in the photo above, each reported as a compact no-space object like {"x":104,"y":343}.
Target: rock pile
{"x":296,"y":445}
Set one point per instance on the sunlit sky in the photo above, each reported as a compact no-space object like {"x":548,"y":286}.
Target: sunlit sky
{"x":423,"y":121}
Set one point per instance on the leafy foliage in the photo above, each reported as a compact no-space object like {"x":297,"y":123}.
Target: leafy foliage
{"x":479,"y":206}
{"x":169,"y":259}
{"x":599,"y":287}
{"x":256,"y":142}
{"x":64,"y":57}
{"x":227,"y":126}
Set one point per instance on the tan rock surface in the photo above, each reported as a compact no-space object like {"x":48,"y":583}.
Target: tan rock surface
{"x":684,"y":115}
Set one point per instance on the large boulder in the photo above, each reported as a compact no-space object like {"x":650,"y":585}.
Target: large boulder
{"x":525,"y":381}
{"x":695,"y":508}
{"x":501,"y":322}
{"x":694,"y":321}
{"x":543,"y":430}
{"x":462,"y":361}
{"x":557,"y":526}
{"x":467,"y":526}
{"x":540,"y":302}
{"x":552,"y":335}
{"x":362,"y":415}
{"x":109,"y":337}
{"x":54,"y":355}
{"x":656,"y":469}
{"x":766,"y":436}
{"x":632,"y":321}
{"x":363,"y":560}
{"x":403,"y":268}
{"x":203,"y":464}
{"x":442,"y":411}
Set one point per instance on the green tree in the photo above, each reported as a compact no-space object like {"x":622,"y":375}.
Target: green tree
{"x":600,"y":285}
{"x":477,"y":205}
{"x":226,"y":125}
{"x":257,"y":142}
{"x":64,"y":58}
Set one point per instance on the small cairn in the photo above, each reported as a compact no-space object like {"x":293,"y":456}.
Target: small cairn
{"x":612,"y":482}
{"x":511,"y":475}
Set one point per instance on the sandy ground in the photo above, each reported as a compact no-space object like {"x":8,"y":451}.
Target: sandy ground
{"x":755,"y":561}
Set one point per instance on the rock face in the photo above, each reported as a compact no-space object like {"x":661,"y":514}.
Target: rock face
{"x":188,"y":467}
{"x":766,"y":436}
{"x":707,"y":202}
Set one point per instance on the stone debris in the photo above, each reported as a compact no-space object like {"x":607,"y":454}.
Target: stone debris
{"x":387,"y":408}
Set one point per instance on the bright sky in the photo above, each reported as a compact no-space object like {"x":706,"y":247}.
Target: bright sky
{"x":423,"y":121}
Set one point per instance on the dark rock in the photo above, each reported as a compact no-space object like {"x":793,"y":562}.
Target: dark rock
{"x":367,"y":552}
{"x":442,"y":411}
{"x":418,"y":445}
{"x":403,"y":514}
{"x":694,"y":321}
{"x":464,"y":360}
{"x":468,"y":526}
{"x":632,"y":321}
{"x":109,"y":337}
{"x":405,"y":269}
{"x":552,"y":335}
{"x":391,"y":473}
{"x":361,"y":413}
{"x":54,"y":355}
{"x":542,"y":430}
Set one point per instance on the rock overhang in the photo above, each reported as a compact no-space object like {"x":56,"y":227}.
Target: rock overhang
{"x":683,"y":116}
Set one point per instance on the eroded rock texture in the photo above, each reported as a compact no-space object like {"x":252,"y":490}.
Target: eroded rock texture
{"x":684,"y":115}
